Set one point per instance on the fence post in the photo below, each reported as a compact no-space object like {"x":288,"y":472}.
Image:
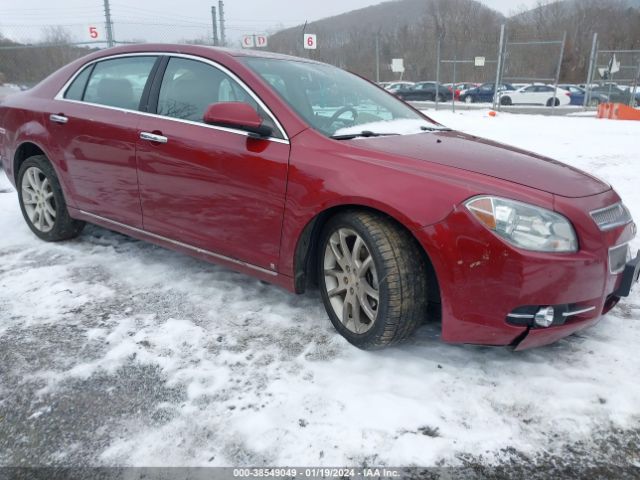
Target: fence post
{"x":592,"y":61}
{"x":555,"y":85}
{"x":438,"y":72}
{"x":378,"y":58}
{"x":499,"y":67}
{"x":635,"y":87}
{"x":453,"y":85}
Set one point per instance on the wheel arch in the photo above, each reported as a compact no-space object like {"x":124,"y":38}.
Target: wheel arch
{"x":306,"y":250}
{"x":30,"y":147}
{"x":26,"y":149}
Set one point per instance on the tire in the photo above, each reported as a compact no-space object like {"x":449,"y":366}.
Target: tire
{"x":550,"y":102}
{"x":594,"y":102}
{"x":506,"y":101}
{"x":396,"y":274}
{"x":39,"y":191}
{"x":468,"y":99}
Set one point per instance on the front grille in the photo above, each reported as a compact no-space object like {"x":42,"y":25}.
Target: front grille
{"x":611,"y":217}
{"x":618,"y":258}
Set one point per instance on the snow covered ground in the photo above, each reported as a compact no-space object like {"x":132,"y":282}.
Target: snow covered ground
{"x":114,"y":351}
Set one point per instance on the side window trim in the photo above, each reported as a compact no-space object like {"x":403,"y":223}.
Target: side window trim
{"x":92,"y":63}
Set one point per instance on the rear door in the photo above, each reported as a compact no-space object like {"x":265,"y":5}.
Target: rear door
{"x":95,"y":128}
{"x":210,"y":187}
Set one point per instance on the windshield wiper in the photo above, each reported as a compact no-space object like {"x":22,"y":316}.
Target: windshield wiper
{"x":364,"y":133}
{"x":424,"y":128}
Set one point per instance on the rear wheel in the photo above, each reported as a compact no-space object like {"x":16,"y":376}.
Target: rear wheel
{"x":42,"y":202}
{"x":372,"y":279}
{"x":551,"y":102}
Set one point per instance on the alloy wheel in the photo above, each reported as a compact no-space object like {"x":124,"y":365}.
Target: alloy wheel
{"x":38,"y":199}
{"x":351,"y":280}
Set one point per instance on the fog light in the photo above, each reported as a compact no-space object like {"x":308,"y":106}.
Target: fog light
{"x":544,"y":316}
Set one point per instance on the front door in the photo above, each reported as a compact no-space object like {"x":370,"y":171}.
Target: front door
{"x":210,"y":187}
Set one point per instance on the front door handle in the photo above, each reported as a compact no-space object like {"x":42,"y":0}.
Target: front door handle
{"x":58,"y":118}
{"x":152,"y":137}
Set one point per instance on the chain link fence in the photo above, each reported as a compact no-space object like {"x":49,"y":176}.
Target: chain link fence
{"x":24,"y":61}
{"x":28,"y":54}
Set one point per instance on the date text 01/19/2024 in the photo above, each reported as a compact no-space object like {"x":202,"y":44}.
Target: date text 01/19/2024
{"x":319,"y":472}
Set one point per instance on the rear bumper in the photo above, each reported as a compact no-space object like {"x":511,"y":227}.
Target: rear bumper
{"x":482,"y":279}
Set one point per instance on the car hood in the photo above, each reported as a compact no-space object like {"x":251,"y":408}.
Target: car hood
{"x":466,"y":152}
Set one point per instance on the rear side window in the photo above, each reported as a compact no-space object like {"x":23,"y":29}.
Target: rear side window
{"x":119,"y":82}
{"x":189,"y":87}
{"x":76,"y":89}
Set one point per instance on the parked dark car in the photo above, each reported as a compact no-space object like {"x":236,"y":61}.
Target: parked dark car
{"x":484,"y":93}
{"x":577,"y":95}
{"x":617,"y":94}
{"x":425,"y":91}
{"x":220,"y":154}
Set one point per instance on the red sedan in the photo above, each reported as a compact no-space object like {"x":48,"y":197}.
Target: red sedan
{"x":241,"y":158}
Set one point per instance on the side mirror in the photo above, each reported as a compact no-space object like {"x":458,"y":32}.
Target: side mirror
{"x":237,"y":115}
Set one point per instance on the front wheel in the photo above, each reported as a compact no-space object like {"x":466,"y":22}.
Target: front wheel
{"x":468,"y":99}
{"x":42,"y":201}
{"x":506,"y":101}
{"x":372,"y":279}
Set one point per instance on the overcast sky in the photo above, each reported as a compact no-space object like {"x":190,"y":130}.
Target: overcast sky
{"x":193,"y":16}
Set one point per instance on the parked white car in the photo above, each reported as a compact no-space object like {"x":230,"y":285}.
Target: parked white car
{"x":535,"y":95}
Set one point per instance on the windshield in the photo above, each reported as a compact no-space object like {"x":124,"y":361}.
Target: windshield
{"x":338,"y":103}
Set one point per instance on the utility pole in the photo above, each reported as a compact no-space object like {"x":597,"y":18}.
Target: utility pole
{"x":109,"y":24}
{"x":223,"y":39}
{"x":214,"y":24}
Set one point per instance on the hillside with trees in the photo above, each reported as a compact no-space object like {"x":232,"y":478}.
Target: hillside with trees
{"x":410,"y":29}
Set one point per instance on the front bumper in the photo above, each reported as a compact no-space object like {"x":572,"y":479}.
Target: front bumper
{"x":482,"y":278}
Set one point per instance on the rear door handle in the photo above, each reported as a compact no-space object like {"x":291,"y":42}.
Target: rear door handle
{"x":58,"y":118}
{"x":152,"y":137}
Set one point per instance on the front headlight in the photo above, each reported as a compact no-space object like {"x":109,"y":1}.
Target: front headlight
{"x":523,"y":225}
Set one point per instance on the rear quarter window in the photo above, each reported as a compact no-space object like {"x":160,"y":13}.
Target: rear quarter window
{"x":76,"y":89}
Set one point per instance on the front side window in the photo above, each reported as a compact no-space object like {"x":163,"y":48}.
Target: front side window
{"x":190,"y":86}
{"x":119,"y":82}
{"x":335,"y":102}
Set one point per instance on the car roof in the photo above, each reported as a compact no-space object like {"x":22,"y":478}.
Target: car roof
{"x":199,"y":50}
